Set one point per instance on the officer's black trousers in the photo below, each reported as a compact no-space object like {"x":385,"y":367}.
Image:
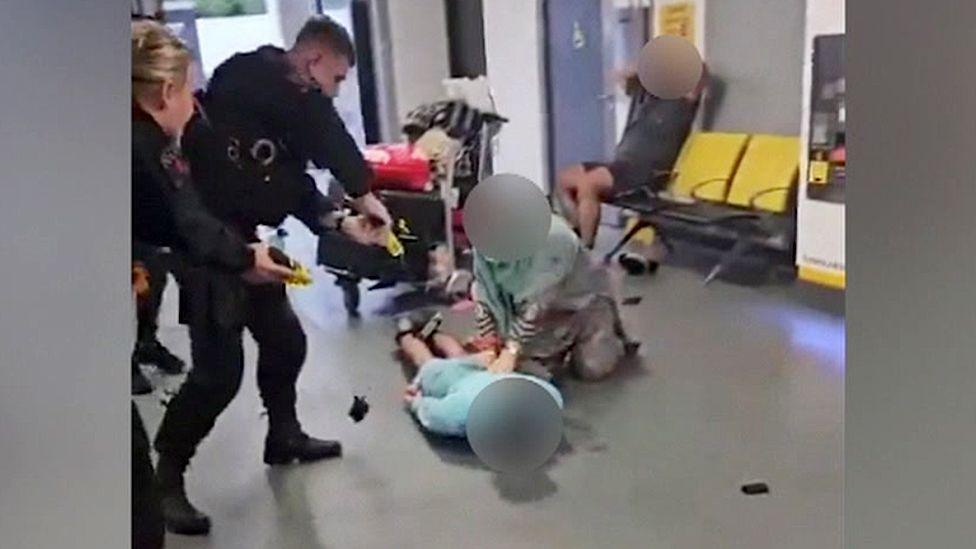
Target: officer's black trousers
{"x":147,"y":517}
{"x":218,"y":365}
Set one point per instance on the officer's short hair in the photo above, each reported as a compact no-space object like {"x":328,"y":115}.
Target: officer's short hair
{"x":325,"y":30}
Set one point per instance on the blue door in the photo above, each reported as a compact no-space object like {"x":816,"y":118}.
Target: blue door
{"x":580,"y":105}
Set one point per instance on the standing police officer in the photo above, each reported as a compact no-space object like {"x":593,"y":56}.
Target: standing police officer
{"x":265,"y":115}
{"x":166,"y":211}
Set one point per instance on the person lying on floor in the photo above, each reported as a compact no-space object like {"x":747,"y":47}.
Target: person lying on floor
{"x":445,"y":386}
{"x":645,"y":156}
{"x":551,"y":310}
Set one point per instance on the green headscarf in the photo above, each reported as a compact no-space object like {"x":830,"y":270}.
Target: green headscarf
{"x":504,"y":286}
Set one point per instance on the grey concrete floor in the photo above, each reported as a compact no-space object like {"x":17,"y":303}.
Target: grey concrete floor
{"x":735,"y":383}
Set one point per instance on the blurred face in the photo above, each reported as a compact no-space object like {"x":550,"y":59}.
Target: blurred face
{"x":696,"y":92}
{"x":328,"y":69}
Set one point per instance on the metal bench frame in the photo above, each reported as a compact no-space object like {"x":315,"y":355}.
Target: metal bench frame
{"x":749,"y":229}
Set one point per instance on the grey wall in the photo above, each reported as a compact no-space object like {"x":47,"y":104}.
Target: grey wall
{"x":756,"y":48}
{"x":292,"y":14}
{"x":67,"y":316}
{"x":410,"y":55}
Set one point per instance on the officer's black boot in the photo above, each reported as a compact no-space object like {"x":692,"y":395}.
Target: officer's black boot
{"x":286,"y":442}
{"x":180,"y":515}
{"x":140,"y":384}
{"x":151,"y":351}
{"x":285,"y":449}
{"x":285,"y":445}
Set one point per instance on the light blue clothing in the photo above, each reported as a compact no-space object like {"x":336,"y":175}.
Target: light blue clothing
{"x":449,"y":387}
{"x":556,"y":304}
{"x":507,"y":288}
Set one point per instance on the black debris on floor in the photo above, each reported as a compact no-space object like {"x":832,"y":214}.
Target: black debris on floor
{"x":359,"y":408}
{"x":755,"y":489}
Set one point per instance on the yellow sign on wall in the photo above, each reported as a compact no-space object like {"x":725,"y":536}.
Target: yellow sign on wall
{"x":677,"y":19}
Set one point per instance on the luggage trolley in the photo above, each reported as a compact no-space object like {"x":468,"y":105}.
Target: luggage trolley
{"x":425,"y":216}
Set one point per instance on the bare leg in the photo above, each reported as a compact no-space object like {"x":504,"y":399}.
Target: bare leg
{"x":416,"y":351}
{"x":567,"y":182}
{"x":585,"y":190}
{"x":589,"y":216}
{"x":448,"y":346}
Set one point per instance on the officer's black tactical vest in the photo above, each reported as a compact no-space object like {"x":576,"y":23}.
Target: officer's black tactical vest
{"x":245,"y":173}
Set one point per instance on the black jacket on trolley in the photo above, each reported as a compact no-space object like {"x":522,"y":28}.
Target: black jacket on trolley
{"x":252,"y":143}
{"x":168,"y":212}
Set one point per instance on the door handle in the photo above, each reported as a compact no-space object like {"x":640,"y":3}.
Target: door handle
{"x":605,"y":96}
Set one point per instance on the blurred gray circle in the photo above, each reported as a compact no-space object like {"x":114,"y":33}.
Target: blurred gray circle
{"x":507,"y":217}
{"x":514,"y":425}
{"x":669,"y":67}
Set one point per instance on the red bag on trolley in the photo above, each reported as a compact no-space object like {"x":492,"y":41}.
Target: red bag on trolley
{"x":399,"y":167}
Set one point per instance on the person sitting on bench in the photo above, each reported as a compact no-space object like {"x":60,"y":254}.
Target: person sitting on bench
{"x":656,"y":130}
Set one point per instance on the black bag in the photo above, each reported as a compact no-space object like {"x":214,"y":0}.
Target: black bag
{"x":418,"y":221}
{"x":423,"y":213}
{"x":341,"y":253}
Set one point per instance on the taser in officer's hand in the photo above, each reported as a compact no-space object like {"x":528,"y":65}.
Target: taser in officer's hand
{"x":393,"y":245}
{"x":300,"y":274}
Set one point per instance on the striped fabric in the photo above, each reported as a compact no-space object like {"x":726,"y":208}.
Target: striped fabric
{"x":459,"y":121}
{"x":524,"y":328}
{"x":486,"y":324}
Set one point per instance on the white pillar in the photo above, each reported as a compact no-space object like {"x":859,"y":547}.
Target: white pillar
{"x":514,"y":52}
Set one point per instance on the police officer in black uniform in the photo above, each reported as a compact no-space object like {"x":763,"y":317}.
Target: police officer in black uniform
{"x":149,"y":350}
{"x":266,"y":114}
{"x":167,"y":212}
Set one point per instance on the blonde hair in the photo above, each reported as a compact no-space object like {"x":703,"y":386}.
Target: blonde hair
{"x":157,"y":56}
